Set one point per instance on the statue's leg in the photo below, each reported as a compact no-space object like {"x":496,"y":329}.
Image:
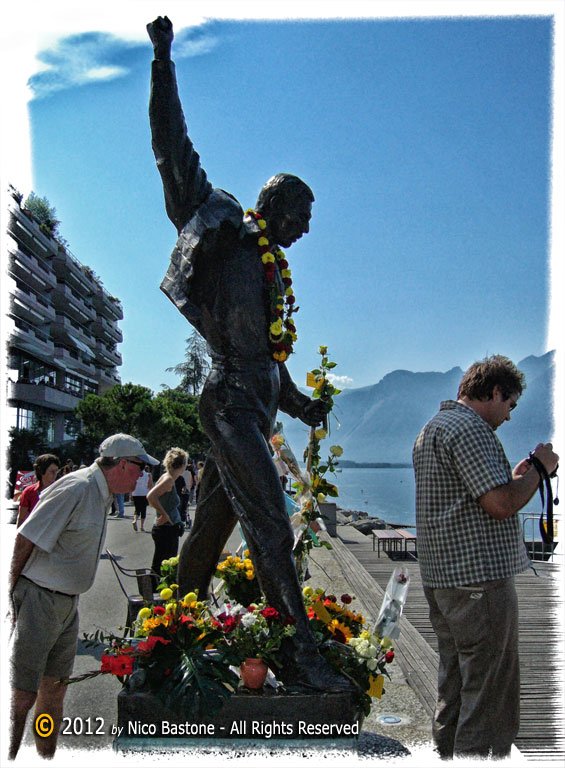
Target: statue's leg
{"x":252,"y":484}
{"x":213,"y":523}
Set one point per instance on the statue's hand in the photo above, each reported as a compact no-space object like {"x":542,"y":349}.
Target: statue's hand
{"x":313,"y":412}
{"x":161,"y":34}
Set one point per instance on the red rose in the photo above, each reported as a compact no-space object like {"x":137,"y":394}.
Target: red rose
{"x":229,"y":624}
{"x":283,"y":263}
{"x":290,"y":299}
{"x":106,"y":663}
{"x":389,"y":656}
{"x":158,"y":610}
{"x":346,"y":599}
{"x":270,"y":613}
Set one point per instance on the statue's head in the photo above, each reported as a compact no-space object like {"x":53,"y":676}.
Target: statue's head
{"x":285,"y":202}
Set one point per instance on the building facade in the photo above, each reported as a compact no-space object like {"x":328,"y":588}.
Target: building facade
{"x":64,"y":335}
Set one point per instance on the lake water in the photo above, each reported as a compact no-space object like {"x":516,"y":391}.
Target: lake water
{"x":385,"y":493}
{"x":390,"y":495}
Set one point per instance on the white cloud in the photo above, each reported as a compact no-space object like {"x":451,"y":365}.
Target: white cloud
{"x":341,"y":382}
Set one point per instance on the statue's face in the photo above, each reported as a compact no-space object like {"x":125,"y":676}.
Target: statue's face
{"x":288,"y":226}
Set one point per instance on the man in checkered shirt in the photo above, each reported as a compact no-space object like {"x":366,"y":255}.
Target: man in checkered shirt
{"x":469,"y":549}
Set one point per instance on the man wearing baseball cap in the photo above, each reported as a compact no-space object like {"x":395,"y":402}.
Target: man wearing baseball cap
{"x":56,"y":554}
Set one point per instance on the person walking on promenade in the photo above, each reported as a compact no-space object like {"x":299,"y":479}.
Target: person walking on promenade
{"x":46,"y":468}
{"x":470,"y":547}
{"x":164,"y":498}
{"x":139,"y":496}
{"x":56,"y":554}
{"x":229,"y":278}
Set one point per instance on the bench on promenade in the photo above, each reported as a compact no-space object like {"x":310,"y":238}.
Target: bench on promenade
{"x":392,"y":540}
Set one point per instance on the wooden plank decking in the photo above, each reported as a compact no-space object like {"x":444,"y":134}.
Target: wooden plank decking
{"x":542,"y":733}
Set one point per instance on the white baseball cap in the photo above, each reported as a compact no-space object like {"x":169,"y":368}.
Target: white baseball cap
{"x":120,"y":445}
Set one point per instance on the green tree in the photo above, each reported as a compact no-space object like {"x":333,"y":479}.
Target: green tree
{"x":195,"y":367}
{"x":160,"y":421}
{"x":44,"y":213}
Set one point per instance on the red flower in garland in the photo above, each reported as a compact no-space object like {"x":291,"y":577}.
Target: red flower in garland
{"x":389,"y":656}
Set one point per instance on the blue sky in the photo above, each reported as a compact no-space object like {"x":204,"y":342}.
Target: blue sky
{"x":427,"y":142}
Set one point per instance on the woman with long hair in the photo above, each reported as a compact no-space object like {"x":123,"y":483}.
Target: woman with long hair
{"x":165,"y":499}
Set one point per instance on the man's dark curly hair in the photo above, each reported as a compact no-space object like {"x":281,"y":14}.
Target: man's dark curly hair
{"x":482,"y":377}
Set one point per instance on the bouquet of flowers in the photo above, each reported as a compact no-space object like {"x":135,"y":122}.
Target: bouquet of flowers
{"x":347,"y":645}
{"x":179,"y":652}
{"x":256,"y":631}
{"x":240,"y":582}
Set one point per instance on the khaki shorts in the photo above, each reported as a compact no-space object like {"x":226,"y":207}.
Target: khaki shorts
{"x":44,"y":640}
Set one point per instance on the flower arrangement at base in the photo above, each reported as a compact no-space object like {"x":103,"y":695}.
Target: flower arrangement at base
{"x":179,"y":653}
{"x":255,"y":632}
{"x":348,"y":645}
{"x":240,"y":582}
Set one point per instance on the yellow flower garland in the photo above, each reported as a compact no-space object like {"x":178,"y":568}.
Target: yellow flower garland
{"x":282,"y":331}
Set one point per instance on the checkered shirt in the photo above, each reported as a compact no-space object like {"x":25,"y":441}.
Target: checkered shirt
{"x":458,"y":458}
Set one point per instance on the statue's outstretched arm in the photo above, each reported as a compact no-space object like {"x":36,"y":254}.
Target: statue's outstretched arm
{"x":184,"y":181}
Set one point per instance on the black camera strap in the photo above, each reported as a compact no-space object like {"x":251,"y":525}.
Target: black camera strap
{"x":547,"y":500}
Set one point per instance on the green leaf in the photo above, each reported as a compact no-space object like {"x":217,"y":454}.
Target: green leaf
{"x":331,"y":365}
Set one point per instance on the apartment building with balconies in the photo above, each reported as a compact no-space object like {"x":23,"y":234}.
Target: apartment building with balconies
{"x":64,"y":336}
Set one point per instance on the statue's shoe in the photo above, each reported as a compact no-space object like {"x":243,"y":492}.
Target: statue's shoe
{"x":313,"y":673}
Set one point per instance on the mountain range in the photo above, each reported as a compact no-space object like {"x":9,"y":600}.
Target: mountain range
{"x":379,"y":423}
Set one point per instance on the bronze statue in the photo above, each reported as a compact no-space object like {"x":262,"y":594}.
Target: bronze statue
{"x":219,"y":278}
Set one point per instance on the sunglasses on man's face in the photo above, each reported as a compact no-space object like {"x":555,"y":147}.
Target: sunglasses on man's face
{"x":139,"y":464}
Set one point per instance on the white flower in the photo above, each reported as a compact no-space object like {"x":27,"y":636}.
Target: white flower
{"x":248,"y":620}
{"x":372,"y":665}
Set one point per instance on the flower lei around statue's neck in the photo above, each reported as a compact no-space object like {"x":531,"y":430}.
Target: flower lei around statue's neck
{"x":282,"y":331}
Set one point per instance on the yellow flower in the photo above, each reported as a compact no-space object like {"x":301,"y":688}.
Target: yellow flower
{"x":246,"y":553}
{"x":170,"y":607}
{"x":248,"y":563}
{"x":174,"y":560}
{"x":286,"y":273}
{"x":307,"y":591}
{"x":249,"y":575}
{"x":174,"y":586}
{"x":261,"y":223}
{"x":337,"y":626}
{"x":144,"y":613}
{"x":323,"y":351}
{"x":276,"y":328}
{"x":267,"y":257}
{"x":376,"y":685}
{"x":321,"y":498}
{"x":190,"y":597}
{"x":166,"y":593}
{"x":336,"y":450}
{"x":289,"y":291}
{"x":263,"y":241}
{"x":240,"y":566}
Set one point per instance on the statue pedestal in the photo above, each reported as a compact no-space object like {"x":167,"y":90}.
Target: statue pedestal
{"x":247,"y":718}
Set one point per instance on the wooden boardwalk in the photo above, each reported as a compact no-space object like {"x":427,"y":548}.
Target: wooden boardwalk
{"x":542,"y":654}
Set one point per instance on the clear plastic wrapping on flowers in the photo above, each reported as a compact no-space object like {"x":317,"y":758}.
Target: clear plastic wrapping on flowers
{"x":388,"y":620}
